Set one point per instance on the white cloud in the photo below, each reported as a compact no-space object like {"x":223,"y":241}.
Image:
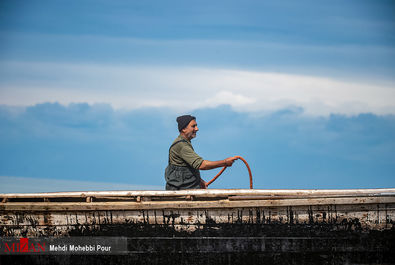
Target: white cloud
{"x":228,"y":97}
{"x":188,"y":88}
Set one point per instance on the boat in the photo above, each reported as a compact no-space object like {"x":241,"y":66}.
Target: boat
{"x":213,"y":226}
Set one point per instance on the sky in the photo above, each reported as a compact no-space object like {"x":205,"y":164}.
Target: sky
{"x":90,"y":90}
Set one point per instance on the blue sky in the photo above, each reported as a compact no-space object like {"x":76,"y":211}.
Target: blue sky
{"x":89,"y":92}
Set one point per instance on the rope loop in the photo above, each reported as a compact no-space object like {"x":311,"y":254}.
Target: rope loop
{"x":223,"y":169}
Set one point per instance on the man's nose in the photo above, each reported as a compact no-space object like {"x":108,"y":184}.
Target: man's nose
{"x":196,"y":129}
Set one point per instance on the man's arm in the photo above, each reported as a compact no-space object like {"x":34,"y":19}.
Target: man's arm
{"x":206,"y":165}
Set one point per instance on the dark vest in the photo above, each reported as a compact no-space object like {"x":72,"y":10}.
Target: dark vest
{"x":181,"y":178}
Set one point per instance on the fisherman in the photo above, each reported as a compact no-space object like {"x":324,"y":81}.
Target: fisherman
{"x":184,"y":164}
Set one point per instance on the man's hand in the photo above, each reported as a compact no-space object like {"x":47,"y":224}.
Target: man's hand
{"x":203,"y":184}
{"x":230,"y":160}
{"x":220,"y":163}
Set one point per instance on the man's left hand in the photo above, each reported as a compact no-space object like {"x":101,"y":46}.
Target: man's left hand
{"x":203,"y":184}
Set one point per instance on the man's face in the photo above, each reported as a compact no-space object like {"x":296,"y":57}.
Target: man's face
{"x":191,"y":129}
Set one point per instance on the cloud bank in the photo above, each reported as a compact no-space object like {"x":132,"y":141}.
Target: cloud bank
{"x":187,"y":89}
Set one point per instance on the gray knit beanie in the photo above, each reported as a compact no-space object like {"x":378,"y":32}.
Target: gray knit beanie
{"x":183,"y":121}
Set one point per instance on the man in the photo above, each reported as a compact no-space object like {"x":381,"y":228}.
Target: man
{"x":184,"y":164}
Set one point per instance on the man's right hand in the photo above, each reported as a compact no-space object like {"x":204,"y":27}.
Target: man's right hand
{"x":220,"y":163}
{"x":230,"y":160}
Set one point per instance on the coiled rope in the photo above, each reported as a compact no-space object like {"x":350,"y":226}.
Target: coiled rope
{"x":223,"y":169}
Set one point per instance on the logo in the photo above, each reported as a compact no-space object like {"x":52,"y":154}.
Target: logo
{"x":23,"y":246}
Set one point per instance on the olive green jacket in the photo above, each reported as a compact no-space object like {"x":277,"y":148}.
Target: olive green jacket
{"x":183,"y":155}
{"x":183,"y":169}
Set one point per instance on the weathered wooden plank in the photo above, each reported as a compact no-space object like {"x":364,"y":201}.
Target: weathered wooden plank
{"x":204,"y":193}
{"x":371,"y":212}
{"x":366,"y":217}
{"x":142,"y":205}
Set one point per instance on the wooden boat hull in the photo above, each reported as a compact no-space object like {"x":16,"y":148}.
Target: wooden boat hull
{"x":353,"y":226}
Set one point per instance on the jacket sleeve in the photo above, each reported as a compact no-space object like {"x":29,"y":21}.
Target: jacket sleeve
{"x":190,"y":157}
